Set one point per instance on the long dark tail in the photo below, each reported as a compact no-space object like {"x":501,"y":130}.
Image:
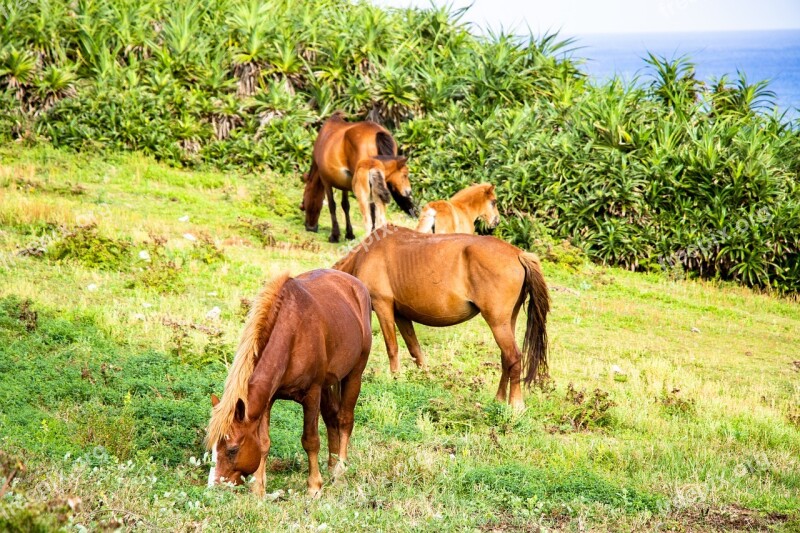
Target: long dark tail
{"x":534,"y":348}
{"x":385,"y":143}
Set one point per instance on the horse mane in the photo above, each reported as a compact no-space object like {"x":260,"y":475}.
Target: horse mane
{"x":347,"y":263}
{"x":260,"y":323}
{"x":470,"y":192}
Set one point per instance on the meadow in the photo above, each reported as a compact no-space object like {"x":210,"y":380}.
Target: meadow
{"x":674,"y":404}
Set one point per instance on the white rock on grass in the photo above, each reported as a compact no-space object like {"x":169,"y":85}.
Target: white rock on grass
{"x":189,"y":237}
{"x":214,"y":314}
{"x":184,"y":218}
{"x":144,"y":255}
{"x":91,"y":287}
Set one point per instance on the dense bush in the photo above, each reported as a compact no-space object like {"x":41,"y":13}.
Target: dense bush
{"x":667,"y":173}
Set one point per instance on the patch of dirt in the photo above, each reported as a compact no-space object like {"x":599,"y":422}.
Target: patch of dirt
{"x":728,"y":518}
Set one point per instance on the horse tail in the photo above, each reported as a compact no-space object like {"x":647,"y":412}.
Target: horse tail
{"x":257,"y":330}
{"x":385,"y":144}
{"x":534,"y":348}
{"x":427,"y":220}
{"x":377,"y":185}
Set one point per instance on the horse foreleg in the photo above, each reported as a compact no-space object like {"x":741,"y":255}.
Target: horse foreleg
{"x":380,"y":215}
{"x":348,"y":232}
{"x":310,"y":440}
{"x":385,"y":312}
{"x":260,"y":476}
{"x":332,"y":207}
{"x":361,"y":190}
{"x":330,"y":415}
{"x":406,"y":328}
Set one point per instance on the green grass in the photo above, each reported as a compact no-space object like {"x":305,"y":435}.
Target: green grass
{"x":107,"y":363}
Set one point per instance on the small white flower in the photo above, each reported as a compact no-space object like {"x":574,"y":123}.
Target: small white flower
{"x":144,"y":255}
{"x":214,"y":314}
{"x":616,"y":369}
{"x":189,"y":237}
{"x":184,"y":218}
{"x":91,"y":287}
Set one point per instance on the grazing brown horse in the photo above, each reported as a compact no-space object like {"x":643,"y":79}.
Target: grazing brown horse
{"x":442,"y":280}
{"x":359,"y":157}
{"x":306,"y":339}
{"x":459,"y":213}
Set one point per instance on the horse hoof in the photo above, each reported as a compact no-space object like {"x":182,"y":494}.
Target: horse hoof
{"x":349,"y":236}
{"x":338,"y":470}
{"x":333,"y":238}
{"x":312,"y":229}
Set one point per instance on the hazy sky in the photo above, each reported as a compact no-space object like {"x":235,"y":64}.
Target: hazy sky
{"x":575,"y":17}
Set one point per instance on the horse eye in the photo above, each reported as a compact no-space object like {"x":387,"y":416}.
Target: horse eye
{"x":231,"y":452}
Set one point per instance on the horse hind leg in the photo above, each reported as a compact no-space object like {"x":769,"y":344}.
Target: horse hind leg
{"x":330,"y":415}
{"x":511,"y":359}
{"x":310,"y":440}
{"x":351,"y":388}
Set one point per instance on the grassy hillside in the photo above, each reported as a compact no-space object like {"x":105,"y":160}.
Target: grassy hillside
{"x":674,"y":404}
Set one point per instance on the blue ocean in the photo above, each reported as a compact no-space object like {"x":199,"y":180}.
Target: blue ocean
{"x":761,"y":55}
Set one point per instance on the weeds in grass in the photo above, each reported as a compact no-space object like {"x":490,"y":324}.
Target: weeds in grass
{"x":587,"y":412}
{"x":88,"y":246}
{"x":260,"y":229}
{"x":157,"y":269}
{"x":214,"y":350}
{"x":206,"y":250}
{"x":674,"y":405}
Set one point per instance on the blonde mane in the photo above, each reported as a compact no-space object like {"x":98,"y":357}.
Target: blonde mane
{"x":257,"y":330}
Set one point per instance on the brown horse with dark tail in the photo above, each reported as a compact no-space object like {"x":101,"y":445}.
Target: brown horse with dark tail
{"x":359,"y":157}
{"x":442,"y":280}
{"x":306,"y":339}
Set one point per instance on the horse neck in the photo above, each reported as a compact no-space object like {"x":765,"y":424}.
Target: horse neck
{"x":269,"y":370}
{"x":470,"y":205}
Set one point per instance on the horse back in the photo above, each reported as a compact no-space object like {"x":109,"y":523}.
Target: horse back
{"x":322,"y":332}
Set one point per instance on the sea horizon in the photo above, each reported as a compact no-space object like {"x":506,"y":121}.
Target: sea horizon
{"x":771,"y":55}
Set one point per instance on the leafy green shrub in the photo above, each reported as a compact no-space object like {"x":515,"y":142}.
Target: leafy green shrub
{"x":86,"y":245}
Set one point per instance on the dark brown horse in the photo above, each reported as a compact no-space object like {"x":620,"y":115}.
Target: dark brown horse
{"x":359,"y":157}
{"x":306,"y":339}
{"x":442,"y":280}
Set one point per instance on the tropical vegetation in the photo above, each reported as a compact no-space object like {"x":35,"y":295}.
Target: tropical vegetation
{"x":667,"y":172}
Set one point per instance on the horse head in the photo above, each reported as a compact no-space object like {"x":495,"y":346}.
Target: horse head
{"x":313,"y":195}
{"x":238,"y":453}
{"x":399,"y":184}
{"x":489,"y":212}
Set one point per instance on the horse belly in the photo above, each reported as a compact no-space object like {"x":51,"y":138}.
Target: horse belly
{"x":438,"y":311}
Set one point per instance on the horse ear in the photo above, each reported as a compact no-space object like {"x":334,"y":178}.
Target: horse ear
{"x":401,"y":161}
{"x":490,"y":190}
{"x":214,"y":400}
{"x":238,"y":413}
